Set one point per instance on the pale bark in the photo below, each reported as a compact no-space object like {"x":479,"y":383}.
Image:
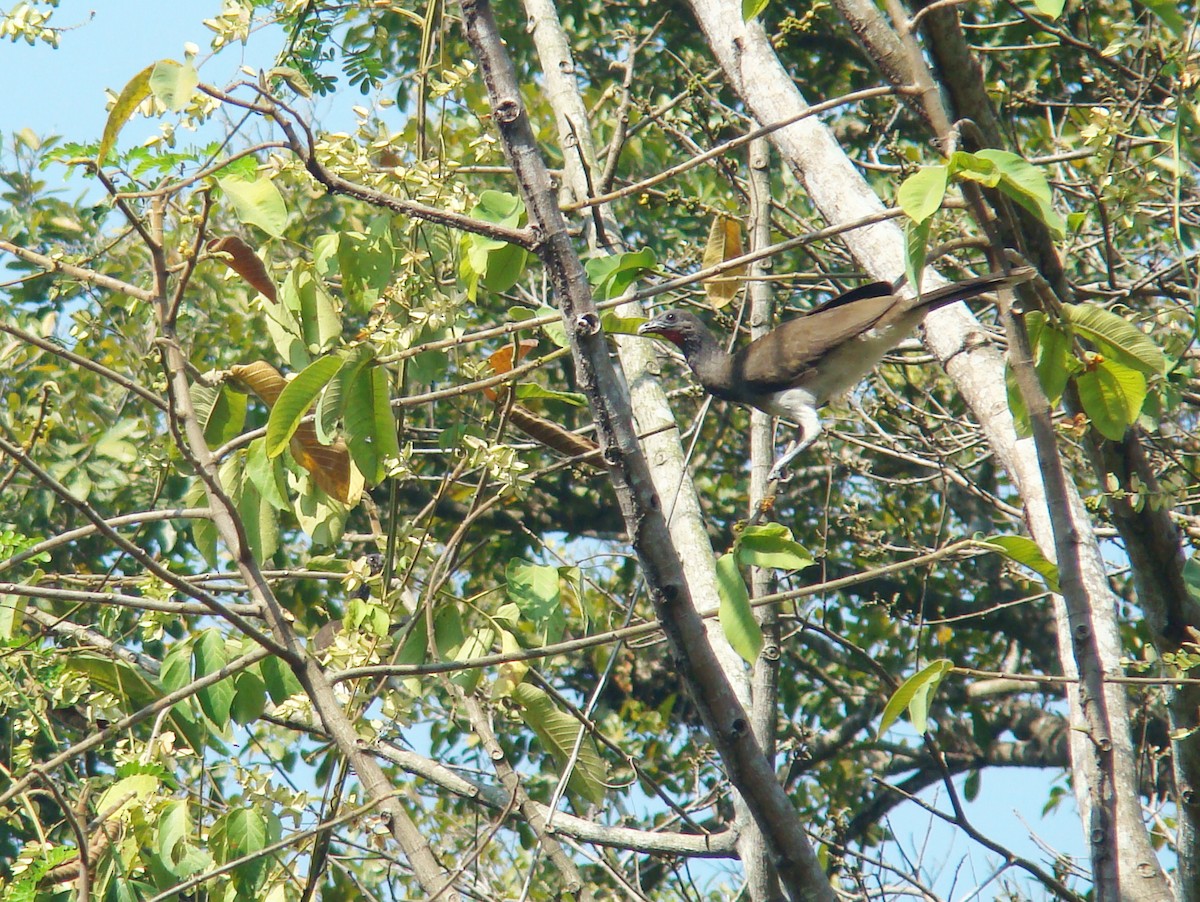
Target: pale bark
{"x":724,"y":716}
{"x":754,"y":71}
{"x":651,"y":411}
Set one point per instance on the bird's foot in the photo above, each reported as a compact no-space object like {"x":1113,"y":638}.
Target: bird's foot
{"x":780,"y":472}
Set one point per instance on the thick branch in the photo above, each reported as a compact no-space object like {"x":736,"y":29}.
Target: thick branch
{"x":724,"y":716}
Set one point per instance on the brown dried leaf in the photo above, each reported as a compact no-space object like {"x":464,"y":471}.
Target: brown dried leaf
{"x":245,"y":263}
{"x":261,"y":378}
{"x":501,"y":361}
{"x":552,"y":435}
{"x":329,"y":465}
{"x":724,"y":243}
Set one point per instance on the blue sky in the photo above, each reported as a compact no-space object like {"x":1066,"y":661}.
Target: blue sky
{"x":62,"y":92}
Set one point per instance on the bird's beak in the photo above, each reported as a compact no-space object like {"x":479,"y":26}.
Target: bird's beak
{"x":649,"y":327}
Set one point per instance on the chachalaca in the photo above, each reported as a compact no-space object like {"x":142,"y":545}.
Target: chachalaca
{"x":797,"y":367}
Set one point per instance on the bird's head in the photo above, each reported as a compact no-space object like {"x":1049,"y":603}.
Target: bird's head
{"x":681,"y":328}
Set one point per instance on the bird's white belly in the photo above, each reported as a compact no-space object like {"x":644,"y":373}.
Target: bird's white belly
{"x":844,"y":368}
{"x":791,"y":403}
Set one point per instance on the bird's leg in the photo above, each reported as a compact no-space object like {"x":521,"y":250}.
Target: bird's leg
{"x":809,"y":431}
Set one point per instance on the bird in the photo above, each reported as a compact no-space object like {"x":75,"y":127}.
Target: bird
{"x":795,"y":369}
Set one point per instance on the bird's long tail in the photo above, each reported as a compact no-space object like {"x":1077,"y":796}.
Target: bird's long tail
{"x":969,"y":288}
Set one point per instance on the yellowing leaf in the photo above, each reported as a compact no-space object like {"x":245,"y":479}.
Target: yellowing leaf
{"x":173,"y":83}
{"x":127,"y":793}
{"x":752,"y":8}
{"x":137,"y":90}
{"x":724,"y":243}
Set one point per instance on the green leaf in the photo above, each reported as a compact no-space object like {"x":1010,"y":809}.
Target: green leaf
{"x":1025,"y":551}
{"x":204,"y":532}
{"x":387,"y":442}
{"x":283,"y":327}
{"x":914,"y":694}
{"x":973,"y":168}
{"x":113,"y":444}
{"x":1168,"y":13}
{"x":12,"y":615}
{"x":128,"y":792}
{"x":370,"y":423}
{"x":499,"y":207}
{"x":621,"y":325}
{"x":498,"y":264}
{"x":1112,"y":396}
{"x":329,"y":410}
{"x":137,"y":90}
{"x":1025,"y":183}
{"x":1052,"y":9}
{"x":535,"y":589}
{"x":476,"y":645}
{"x":209,"y":656}
{"x":448,"y":633}
{"x":611,"y":275}
{"x":135,"y":691}
{"x":1191,"y":576}
{"x":916,"y":249}
{"x":1016,"y":403}
{"x":117,"y":678}
{"x":204,"y":399}
{"x":1116,"y":337}
{"x":971,"y":786}
{"x":249,"y":699}
{"x":555,"y":330}
{"x":415,"y":650}
{"x":771,"y":545}
{"x":531,"y":391}
{"x":294,"y":77}
{"x":174,"y":826}
{"x":318,"y":323}
{"x":296,"y":399}
{"x":366,"y":262}
{"x":322,"y":517}
{"x":242,"y":832}
{"x":227,"y":417}
{"x":558,"y":732}
{"x":280,"y":682}
{"x":505,"y":266}
{"x":751,"y":9}
{"x":267,"y":475}
{"x":921,"y":194}
{"x":735,"y":614}
{"x":259,"y":519}
{"x":176,"y":667}
{"x":1052,"y":356}
{"x":256,"y":202}
{"x":174,"y":83}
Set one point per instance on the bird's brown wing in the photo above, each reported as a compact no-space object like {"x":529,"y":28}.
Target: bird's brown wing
{"x":779,"y":358}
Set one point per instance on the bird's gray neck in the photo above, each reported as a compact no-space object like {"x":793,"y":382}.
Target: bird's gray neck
{"x":710,"y":362}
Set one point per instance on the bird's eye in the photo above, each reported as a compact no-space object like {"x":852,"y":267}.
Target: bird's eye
{"x":670,"y":317}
